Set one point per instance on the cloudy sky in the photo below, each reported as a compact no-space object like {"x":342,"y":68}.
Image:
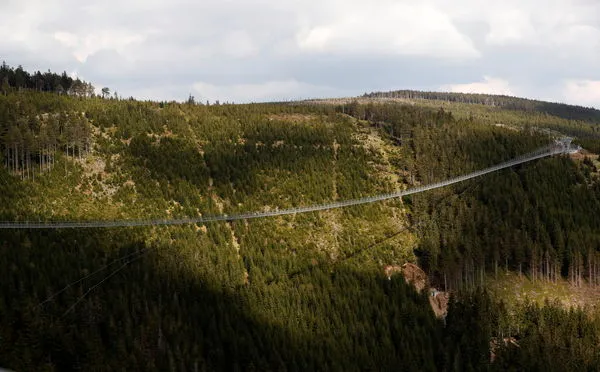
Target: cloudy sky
{"x":256,"y":50}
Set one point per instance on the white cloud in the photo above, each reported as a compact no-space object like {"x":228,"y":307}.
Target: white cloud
{"x":144,"y":45}
{"x":268,"y":91}
{"x":511,"y":26}
{"x":570,"y":24}
{"x":386,"y":27}
{"x":489,"y":85}
{"x":84,"y":46}
{"x":582,"y":92}
{"x":67,"y":39}
{"x":238,"y":44}
{"x":19,"y":22}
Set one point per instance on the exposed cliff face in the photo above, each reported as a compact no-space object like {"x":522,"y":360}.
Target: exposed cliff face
{"x":415,"y":276}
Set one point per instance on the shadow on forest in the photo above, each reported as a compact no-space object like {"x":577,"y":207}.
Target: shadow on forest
{"x":344,"y":259}
{"x":489,"y":148}
{"x":158,"y":315}
{"x":171,"y":159}
{"x":569,"y":112}
{"x":228,"y":164}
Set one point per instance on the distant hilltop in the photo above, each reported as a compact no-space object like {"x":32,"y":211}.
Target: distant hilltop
{"x":563,"y":110}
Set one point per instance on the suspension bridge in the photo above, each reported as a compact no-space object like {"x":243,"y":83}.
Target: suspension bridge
{"x":561,"y":146}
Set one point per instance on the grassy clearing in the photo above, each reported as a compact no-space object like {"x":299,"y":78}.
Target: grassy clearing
{"x":513,"y":288}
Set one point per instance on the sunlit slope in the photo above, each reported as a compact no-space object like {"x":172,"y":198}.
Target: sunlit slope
{"x":304,"y":292}
{"x":265,"y":293}
{"x":186,"y":161}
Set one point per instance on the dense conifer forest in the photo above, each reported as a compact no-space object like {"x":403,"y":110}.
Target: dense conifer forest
{"x":300,"y":292}
{"x":561,"y":110}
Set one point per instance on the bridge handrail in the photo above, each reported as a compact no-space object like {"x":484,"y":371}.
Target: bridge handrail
{"x":537,"y":154}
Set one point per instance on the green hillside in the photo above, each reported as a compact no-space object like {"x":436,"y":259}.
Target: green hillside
{"x":300,"y":292}
{"x":561,"y":110}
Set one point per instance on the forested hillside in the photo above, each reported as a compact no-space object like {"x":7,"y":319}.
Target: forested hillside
{"x":561,"y":110}
{"x":300,"y":292}
{"x":539,"y":218}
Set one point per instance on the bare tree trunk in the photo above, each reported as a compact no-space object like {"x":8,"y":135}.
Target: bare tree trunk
{"x":596,"y":269}
{"x":532,"y":268}
{"x":482,"y":272}
{"x":445,"y":282}
{"x":22,"y":163}
{"x":571,"y":270}
{"x":589,"y":266}
{"x":496,"y":268}
{"x":547,"y":266}
{"x":580,"y":271}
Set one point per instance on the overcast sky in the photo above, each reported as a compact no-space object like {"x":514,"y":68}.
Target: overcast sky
{"x":243,"y":51}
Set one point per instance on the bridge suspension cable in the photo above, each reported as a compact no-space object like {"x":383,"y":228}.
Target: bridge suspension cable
{"x":560,"y":147}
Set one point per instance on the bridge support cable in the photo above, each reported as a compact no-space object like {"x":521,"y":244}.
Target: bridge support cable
{"x":560,"y":147}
